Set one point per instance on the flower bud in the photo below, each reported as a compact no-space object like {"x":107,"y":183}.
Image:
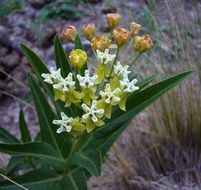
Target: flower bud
{"x":100,"y":42}
{"x":69,"y":33}
{"x":143,"y":43}
{"x":135,"y":29}
{"x":113,"y":20}
{"x":78,"y":58}
{"x":121,"y":36}
{"x":88,"y":31}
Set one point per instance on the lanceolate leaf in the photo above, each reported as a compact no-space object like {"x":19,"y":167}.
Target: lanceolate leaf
{"x":90,"y":160}
{"x":6,"y":137}
{"x":60,"y":58}
{"x":40,"y":150}
{"x":137,"y":102}
{"x":25,"y":135}
{"x":46,"y":179}
{"x":62,"y":142}
{"x":39,"y":67}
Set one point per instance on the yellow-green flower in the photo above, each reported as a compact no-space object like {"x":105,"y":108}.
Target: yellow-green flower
{"x":52,"y":77}
{"x":104,"y":59}
{"x":119,"y":73}
{"x":109,"y":98}
{"x":92,"y":116}
{"x":65,"y":91}
{"x":69,"y":124}
{"x":78,"y":58}
{"x":126,"y":87}
{"x":88,"y":88}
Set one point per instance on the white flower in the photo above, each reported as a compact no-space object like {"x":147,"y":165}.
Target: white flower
{"x":104,"y":58}
{"x":65,"y":123}
{"x":110,"y":96}
{"x":87,"y":81}
{"x":128,"y":86}
{"x":92,"y":113}
{"x":65,"y":84}
{"x":52,"y":77}
{"x":120,"y":70}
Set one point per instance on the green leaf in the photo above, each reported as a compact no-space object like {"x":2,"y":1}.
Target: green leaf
{"x":90,"y":160}
{"x":61,"y":58}
{"x":146,"y":81}
{"x":15,"y":163}
{"x":105,"y":143}
{"x":78,"y":42}
{"x":25,"y":135}
{"x":46,"y":179}
{"x":137,"y":102}
{"x":6,"y":137}
{"x":40,"y":150}
{"x":39,"y":67}
{"x":61,"y":142}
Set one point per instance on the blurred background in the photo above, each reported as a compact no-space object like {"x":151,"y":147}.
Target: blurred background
{"x":160,"y":150}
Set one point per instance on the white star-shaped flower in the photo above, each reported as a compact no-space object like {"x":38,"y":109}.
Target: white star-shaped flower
{"x":87,"y":81}
{"x":128,"y":86}
{"x":52,"y":77}
{"x":65,"y":84}
{"x":110,"y":96}
{"x":104,"y":58}
{"x":120,"y":70}
{"x":65,"y":123}
{"x":92,"y":113}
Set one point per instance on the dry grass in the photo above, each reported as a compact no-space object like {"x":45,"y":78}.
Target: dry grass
{"x":161,"y":150}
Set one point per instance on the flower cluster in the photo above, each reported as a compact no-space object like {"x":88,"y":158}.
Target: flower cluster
{"x":95,"y":95}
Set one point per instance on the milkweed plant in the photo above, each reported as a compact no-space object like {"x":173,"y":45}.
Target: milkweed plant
{"x":87,"y":110}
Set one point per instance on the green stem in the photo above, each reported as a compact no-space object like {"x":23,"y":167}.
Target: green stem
{"x":94,"y":53}
{"x":76,"y":146}
{"x":130,"y":57}
{"x":92,"y":62}
{"x":129,"y":46}
{"x":135,"y":59}
{"x":97,"y":90}
{"x":111,"y":34}
{"x":117,"y":53}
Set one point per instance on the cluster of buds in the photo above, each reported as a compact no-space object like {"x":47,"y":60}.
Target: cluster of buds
{"x":93,"y":98}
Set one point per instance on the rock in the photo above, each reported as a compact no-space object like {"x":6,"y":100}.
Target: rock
{"x":18,"y":31}
{"x":2,"y":29}
{"x":29,"y":11}
{"x":11,"y":60}
{"x":3,"y":51}
{"x":49,"y":37}
{"x":109,"y":9}
{"x":38,"y":3}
